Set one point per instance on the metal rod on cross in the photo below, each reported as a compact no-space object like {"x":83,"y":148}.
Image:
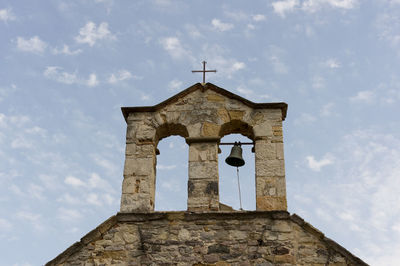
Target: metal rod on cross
{"x":204,"y":71}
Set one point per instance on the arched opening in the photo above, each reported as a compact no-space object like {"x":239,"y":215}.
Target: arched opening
{"x":171,"y":174}
{"x":228,"y":185}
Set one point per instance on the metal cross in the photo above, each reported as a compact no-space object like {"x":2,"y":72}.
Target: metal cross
{"x":204,"y":71}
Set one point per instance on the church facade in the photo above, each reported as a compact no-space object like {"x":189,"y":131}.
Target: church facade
{"x":208,"y":233}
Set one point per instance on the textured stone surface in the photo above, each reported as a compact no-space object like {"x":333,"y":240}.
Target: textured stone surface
{"x":184,"y":238}
{"x":203,"y":115}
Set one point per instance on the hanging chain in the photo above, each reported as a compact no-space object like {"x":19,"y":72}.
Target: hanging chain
{"x":240,"y":196}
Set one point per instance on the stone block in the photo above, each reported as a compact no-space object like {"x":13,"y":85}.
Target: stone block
{"x":139,"y":167}
{"x":270,"y":167}
{"x":273,"y":115}
{"x":223,"y":115}
{"x":203,"y":170}
{"x":270,"y":203}
{"x":279,"y":151}
{"x":202,"y":188}
{"x":136,"y":203}
{"x":130,"y":185}
{"x":265,"y":150}
{"x":203,"y":152}
{"x":270,"y":186}
{"x":203,"y":203}
{"x":215,"y":98}
{"x":210,"y":129}
{"x":261,"y":130}
{"x":236,"y":114}
{"x":145,"y":132}
{"x":173,"y":117}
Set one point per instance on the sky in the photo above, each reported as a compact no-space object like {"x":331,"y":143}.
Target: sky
{"x":68,"y":66}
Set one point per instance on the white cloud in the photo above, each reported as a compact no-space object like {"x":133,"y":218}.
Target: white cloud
{"x":121,"y":75}
{"x":364,"y":193}
{"x":304,"y":118}
{"x":56,"y":73}
{"x":174,"y":47}
{"x":33,"y":218}
{"x":90,"y":33}
{"x":237,"y":66}
{"x":93,"y":199}
{"x":110,"y":200}
{"x":67,"y":198}
{"x":21,"y":143}
{"x":22,"y":264}
{"x":363,"y":96}
{"x":237,"y":15}
{"x":193,"y":31}
{"x":74,"y":181}
{"x":259,"y":17}
{"x":49,"y":181}
{"x":220,"y":26}
{"x":346,"y":215}
{"x":105,"y":163}
{"x":332,"y":63}
{"x":326,"y":110}
{"x":318,"y":82}
{"x":175,"y":85}
{"x":33,"y":45}
{"x":16,"y":190}
{"x":69,"y":215}
{"x":95,"y":181}
{"x":251,"y":26}
{"x":278,"y":65}
{"x":6,"y":14}
{"x":165,"y":167}
{"x":145,"y":97}
{"x":5,"y":91}
{"x":92,"y":80}
{"x":246,"y":92}
{"x":66,"y":50}
{"x":282,"y":7}
{"x":5,"y":225}
{"x":36,"y":131}
{"x":387,"y":25}
{"x":28,"y":216}
{"x":315,"y":165}
{"x":227,"y":67}
{"x":286,"y":6}
{"x":36,"y":191}
{"x":315,"y":5}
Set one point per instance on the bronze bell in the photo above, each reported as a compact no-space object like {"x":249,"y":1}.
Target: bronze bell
{"x":235,"y":158}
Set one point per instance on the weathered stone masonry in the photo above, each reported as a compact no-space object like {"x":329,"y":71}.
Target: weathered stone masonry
{"x":209,"y":233}
{"x":184,"y":238}
{"x":203,"y":114}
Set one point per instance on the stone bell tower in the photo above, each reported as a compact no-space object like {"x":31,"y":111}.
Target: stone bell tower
{"x":205,"y":234}
{"x":203,"y":114}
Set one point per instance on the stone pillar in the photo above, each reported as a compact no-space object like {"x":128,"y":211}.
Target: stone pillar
{"x":270,"y":172}
{"x":203,"y":192}
{"x":138,"y":186}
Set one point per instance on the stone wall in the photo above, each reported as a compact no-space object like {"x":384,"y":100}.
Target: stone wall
{"x":216,"y":238}
{"x":203,"y":114}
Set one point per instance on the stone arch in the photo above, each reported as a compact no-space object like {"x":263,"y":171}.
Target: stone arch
{"x":236,"y":126}
{"x":170,"y":129}
{"x":171,"y":174}
{"x":164,"y":131}
{"x":242,"y":128}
